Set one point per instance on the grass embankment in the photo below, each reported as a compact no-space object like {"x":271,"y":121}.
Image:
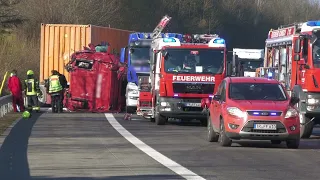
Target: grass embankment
{"x":7,"y":120}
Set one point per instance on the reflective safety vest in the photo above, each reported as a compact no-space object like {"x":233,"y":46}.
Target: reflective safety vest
{"x":54,"y":84}
{"x":30,"y":87}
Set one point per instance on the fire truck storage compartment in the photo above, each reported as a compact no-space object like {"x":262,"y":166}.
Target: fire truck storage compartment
{"x":145,"y":96}
{"x":95,"y":83}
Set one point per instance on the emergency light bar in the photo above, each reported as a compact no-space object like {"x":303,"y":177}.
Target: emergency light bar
{"x":313,"y":23}
{"x":217,"y":42}
{"x":199,"y":38}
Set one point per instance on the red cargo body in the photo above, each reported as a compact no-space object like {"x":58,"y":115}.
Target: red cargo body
{"x":96,"y":82}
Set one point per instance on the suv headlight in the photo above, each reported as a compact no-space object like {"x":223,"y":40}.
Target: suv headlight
{"x":291,"y":113}
{"x":234,"y":111}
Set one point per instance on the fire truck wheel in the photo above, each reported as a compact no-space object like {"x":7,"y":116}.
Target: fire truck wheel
{"x":160,"y":120}
{"x":306,"y":130}
{"x":204,"y":122}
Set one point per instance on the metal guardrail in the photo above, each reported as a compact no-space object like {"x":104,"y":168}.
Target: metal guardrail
{"x":5,"y":105}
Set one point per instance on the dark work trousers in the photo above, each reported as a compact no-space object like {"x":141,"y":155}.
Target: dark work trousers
{"x":62,"y":99}
{"x":33,"y":103}
{"x":56,"y":102}
{"x":17,"y":100}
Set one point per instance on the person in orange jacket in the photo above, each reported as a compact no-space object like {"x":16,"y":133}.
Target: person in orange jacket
{"x":14,"y":85}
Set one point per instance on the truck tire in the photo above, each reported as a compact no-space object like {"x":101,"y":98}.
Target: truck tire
{"x":204,"y":122}
{"x":42,"y":98}
{"x":130,"y":110}
{"x":307,"y":128}
{"x":160,"y":120}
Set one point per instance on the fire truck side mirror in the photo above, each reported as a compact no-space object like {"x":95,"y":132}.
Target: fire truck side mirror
{"x":297,"y":46}
{"x":229,"y":69}
{"x":297,"y":57}
{"x":165,"y":54}
{"x":294,"y":100}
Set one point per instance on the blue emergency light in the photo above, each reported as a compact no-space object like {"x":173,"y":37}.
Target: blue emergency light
{"x":313,"y":23}
{"x":219,"y":41}
{"x":258,"y":113}
{"x":166,"y":40}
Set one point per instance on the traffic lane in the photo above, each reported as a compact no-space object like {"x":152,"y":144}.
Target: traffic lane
{"x":186,"y":144}
{"x":75,"y":145}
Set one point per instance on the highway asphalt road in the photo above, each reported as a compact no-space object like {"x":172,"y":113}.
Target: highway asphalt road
{"x":78,"y":146}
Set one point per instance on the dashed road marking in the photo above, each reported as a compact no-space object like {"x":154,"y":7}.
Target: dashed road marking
{"x":162,"y":159}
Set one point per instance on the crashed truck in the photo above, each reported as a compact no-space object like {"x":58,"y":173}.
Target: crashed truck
{"x":97,"y":80}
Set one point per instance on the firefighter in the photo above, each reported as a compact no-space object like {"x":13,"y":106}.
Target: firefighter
{"x":55,"y":90}
{"x":32,"y":91}
{"x":15,"y":87}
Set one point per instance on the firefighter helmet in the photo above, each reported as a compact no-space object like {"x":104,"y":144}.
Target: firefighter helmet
{"x":26,"y":114}
{"x":29,"y":72}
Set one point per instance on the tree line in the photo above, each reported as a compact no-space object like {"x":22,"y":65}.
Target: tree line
{"x":243,"y":23}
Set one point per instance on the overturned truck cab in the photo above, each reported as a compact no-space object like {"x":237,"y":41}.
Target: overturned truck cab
{"x":97,"y":81}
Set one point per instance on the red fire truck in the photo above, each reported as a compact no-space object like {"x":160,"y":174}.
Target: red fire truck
{"x":293,"y":57}
{"x":182,"y":74}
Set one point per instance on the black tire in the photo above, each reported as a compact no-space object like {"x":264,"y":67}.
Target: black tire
{"x":276,"y":142}
{"x":212,"y":135}
{"x":307,"y":128}
{"x":130,"y":110}
{"x":160,"y":120}
{"x":204,"y":122}
{"x":293,"y":144}
{"x":152,"y":119}
{"x":224,"y":140}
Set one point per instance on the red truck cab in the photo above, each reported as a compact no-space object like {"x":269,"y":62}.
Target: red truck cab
{"x":97,"y":81}
{"x":182,"y":74}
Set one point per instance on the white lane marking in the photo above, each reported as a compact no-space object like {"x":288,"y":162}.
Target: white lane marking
{"x":175,"y":167}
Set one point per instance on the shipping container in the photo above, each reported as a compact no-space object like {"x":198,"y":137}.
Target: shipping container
{"x":59,"y":41}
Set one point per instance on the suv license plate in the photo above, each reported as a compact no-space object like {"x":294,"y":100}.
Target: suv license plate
{"x":265,"y":126}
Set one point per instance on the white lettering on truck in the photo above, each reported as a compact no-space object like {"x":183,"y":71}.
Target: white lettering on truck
{"x":194,"y":78}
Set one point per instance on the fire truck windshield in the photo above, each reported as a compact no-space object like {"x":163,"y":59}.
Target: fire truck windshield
{"x":316,"y":53}
{"x":251,"y":65}
{"x":202,"y":61}
{"x":139,"y":58}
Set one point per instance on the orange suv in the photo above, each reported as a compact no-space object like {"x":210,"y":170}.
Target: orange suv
{"x":253,"y":108}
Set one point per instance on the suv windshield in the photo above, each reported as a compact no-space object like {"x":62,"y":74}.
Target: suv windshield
{"x":256,"y":91}
{"x":139,"y":59}
{"x":251,"y":64}
{"x":194,"y":61}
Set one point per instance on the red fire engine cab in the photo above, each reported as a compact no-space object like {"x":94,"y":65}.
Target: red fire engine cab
{"x":97,"y":81}
{"x":182,"y":74}
{"x":293,"y":57}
